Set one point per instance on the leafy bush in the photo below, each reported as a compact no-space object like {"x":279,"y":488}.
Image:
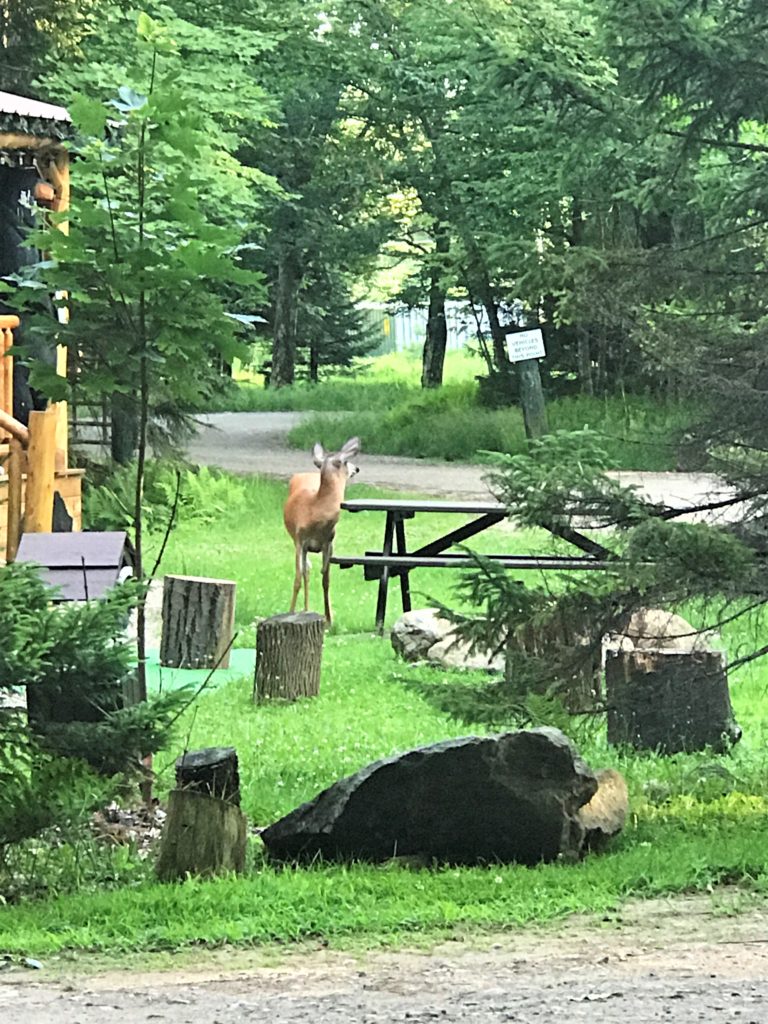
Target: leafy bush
{"x":204,"y":495}
{"x":75,"y":665}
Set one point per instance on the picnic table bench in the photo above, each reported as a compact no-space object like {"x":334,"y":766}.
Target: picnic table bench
{"x":394,"y":560}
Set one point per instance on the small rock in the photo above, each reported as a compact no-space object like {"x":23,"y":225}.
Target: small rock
{"x":415,"y":632}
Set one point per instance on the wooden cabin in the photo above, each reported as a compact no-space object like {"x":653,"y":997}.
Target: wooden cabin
{"x":34,"y":449}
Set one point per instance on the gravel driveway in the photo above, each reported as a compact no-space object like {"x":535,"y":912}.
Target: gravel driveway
{"x":255,"y":442}
{"x":666,"y":960}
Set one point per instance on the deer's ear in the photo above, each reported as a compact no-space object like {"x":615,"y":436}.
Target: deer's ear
{"x":318,"y":454}
{"x":350,"y":448}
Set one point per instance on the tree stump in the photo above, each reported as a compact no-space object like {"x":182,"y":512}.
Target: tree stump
{"x":198,"y":622}
{"x":212,"y":771}
{"x":669,"y":701}
{"x":289,"y":651}
{"x":202,"y":836}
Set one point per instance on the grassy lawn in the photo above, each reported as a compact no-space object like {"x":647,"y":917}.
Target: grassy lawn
{"x":384,"y":404}
{"x":697,"y":820}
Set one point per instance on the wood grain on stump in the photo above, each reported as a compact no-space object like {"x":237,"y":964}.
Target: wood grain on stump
{"x":198,"y":622}
{"x":202,"y":836}
{"x":289,"y":651}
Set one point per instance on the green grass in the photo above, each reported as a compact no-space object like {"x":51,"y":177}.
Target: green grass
{"x":637,"y":433}
{"x":386,"y":904}
{"x":697,"y":820}
{"x":247,"y":542}
{"x":372,"y":383}
{"x":382,"y":402}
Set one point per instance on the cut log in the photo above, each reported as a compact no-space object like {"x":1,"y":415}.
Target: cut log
{"x":669,"y":701}
{"x":202,"y":836}
{"x":212,"y":771}
{"x":605,"y":814}
{"x":289,"y":651}
{"x":198,"y":622}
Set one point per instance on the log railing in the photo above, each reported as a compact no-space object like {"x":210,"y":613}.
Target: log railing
{"x":30,"y":450}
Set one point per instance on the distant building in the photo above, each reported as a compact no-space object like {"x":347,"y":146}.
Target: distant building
{"x":400,"y":328}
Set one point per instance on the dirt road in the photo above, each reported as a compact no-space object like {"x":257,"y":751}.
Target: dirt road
{"x":663,"y":961}
{"x":250,"y":442}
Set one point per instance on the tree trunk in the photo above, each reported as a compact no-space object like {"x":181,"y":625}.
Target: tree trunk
{"x":289,"y":651}
{"x":669,"y":701}
{"x":202,"y":836}
{"x":124,"y":433}
{"x":286,"y":306}
{"x":198,"y":622}
{"x":584,"y":360}
{"x":433,"y":359}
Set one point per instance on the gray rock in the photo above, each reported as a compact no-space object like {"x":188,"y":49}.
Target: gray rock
{"x":450,"y":652}
{"x":511,"y":797}
{"x":415,"y":632}
{"x":657,"y":629}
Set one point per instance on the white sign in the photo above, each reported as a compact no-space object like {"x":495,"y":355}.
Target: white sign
{"x":525,"y":345}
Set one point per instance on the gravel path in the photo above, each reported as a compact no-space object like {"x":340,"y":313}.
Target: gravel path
{"x":666,"y":961}
{"x":255,"y":442}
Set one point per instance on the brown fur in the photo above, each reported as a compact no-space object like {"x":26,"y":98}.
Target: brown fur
{"x":311,"y":513}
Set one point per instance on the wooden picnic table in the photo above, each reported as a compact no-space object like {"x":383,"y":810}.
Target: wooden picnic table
{"x":394,"y":559}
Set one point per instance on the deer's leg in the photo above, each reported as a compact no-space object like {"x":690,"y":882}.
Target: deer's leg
{"x":327,"y":552}
{"x":297,"y":576}
{"x":305,"y":574}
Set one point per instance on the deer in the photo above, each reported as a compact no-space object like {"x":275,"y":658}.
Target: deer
{"x":311,"y":512}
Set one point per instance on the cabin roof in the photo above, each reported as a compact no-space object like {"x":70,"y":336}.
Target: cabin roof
{"x":19,"y":114}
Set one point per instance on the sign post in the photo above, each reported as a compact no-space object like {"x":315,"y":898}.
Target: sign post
{"x":525,"y":348}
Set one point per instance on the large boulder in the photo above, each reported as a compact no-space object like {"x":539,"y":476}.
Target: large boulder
{"x":511,"y":797}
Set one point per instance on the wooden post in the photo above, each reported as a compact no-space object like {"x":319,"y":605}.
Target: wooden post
{"x":289,"y":651}
{"x":7,"y":326}
{"x":14,"y":500}
{"x":198,"y":622}
{"x":57,"y":174}
{"x":41,"y":458}
{"x":532,"y":398}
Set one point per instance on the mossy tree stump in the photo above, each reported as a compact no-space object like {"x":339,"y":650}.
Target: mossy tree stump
{"x":289,"y":651}
{"x":204,"y":831}
{"x":198,"y":622}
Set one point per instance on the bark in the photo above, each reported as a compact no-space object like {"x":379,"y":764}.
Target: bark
{"x":124,"y":435}
{"x":669,"y":701}
{"x":202,"y":836}
{"x":198,"y":622}
{"x":289,"y":651}
{"x":286,"y":305}
{"x":583,"y":341}
{"x":433,"y":359}
{"x":213,"y":771}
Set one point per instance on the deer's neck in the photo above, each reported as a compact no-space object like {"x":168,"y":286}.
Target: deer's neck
{"x":332,"y":487}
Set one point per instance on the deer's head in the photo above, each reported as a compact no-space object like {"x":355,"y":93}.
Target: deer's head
{"x":339,"y":462}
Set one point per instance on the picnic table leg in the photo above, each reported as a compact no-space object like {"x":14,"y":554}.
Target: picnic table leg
{"x":381,"y":603}
{"x":405,"y":579}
